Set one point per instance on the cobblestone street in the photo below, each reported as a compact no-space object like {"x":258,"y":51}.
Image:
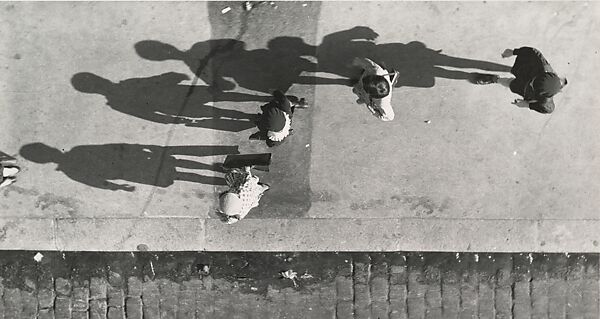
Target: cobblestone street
{"x":327,"y":285}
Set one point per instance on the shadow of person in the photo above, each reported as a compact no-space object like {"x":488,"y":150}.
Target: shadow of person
{"x":162,"y":99}
{"x":103,"y":166}
{"x":223,"y":63}
{"x":418,"y":65}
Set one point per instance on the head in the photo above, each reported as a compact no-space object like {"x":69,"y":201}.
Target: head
{"x":376,"y":86}
{"x":40,"y":153}
{"x":563,"y":82}
{"x":90,"y":83}
{"x":230,"y":204}
{"x":157,"y":51}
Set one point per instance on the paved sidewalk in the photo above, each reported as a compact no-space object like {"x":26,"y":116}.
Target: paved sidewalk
{"x":120,"y":113}
{"x":329,"y":285}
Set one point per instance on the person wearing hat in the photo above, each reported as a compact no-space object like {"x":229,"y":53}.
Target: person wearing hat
{"x":534,"y":80}
{"x":7,"y":174}
{"x":244,"y":194}
{"x":275,"y":122}
{"x":374,"y":88}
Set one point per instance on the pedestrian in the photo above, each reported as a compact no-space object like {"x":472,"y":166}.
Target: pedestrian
{"x":244,"y":193}
{"x":534,"y":80}
{"x":8,"y":174}
{"x":275,"y":121}
{"x":374,"y":88}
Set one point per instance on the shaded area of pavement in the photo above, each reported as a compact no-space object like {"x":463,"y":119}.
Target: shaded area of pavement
{"x":325,"y":285}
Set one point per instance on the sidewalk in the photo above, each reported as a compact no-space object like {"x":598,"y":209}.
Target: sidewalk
{"x":109,"y":112}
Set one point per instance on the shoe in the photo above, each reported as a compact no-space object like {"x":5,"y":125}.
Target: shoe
{"x":10,"y":171}
{"x":7,"y":181}
{"x":301,"y":104}
{"x":483,"y":79}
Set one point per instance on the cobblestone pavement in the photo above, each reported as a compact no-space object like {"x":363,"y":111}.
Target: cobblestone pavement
{"x":327,"y":285}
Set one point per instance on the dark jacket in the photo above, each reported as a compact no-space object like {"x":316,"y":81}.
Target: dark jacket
{"x":535,"y":79}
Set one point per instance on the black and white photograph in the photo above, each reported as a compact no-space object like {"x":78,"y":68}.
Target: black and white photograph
{"x":299,"y":159}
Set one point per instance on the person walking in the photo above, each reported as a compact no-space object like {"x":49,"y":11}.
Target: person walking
{"x":374,"y":88}
{"x":244,"y":193}
{"x":534,"y":80}
{"x":275,"y":121}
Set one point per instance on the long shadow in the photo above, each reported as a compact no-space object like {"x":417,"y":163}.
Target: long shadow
{"x":101,"y":166}
{"x":417,"y":64}
{"x":162,"y":99}
{"x":221,"y":63}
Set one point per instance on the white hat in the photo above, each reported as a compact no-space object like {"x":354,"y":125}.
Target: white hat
{"x":230,"y":204}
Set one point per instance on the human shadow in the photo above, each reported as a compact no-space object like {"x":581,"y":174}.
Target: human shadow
{"x":418,"y":65}
{"x":162,"y":99}
{"x":103,"y":166}
{"x":223,"y":63}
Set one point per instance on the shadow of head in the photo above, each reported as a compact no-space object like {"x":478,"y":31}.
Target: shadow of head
{"x":293,"y":45}
{"x":90,"y":83}
{"x":157,"y":51}
{"x":40,"y":153}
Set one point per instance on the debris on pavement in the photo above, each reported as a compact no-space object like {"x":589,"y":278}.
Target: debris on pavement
{"x":225,"y":10}
{"x":38,"y":257}
{"x":291,"y":275}
{"x":428,"y":121}
{"x":306,"y":275}
{"x":247,"y":5}
{"x":203,"y":269}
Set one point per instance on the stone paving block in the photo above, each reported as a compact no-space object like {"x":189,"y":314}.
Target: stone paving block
{"x":503,"y":293}
{"x":115,"y":297}
{"x":557,"y":289}
{"x":294,"y":306}
{"x":276,"y":304}
{"x":1,"y":297}
{"x":168,"y":298}
{"x":469,"y":282}
{"x":451,"y":289}
{"x":98,"y":288}
{"x":62,"y":307}
{"x":344,"y":288}
{"x":45,"y":314}
{"x":151,"y":300}
{"x":362,"y":297}
{"x":433,"y":280}
{"x":81,"y":297}
{"x":487,"y":286}
{"x":98,"y":309}
{"x":45,"y":298}
{"x":574,"y":276}
{"x":80,"y":315}
{"x":30,"y":304}
{"x":186,"y":306}
{"x":521,"y":287}
{"x":116,"y":313}
{"x":13,"y":303}
{"x":134,"y":308}
{"x":63,"y":286}
{"x":134,"y":287}
{"x":590,"y":287}
{"x":416,"y":286}
{"x":398,"y":277}
{"x":379,"y":295}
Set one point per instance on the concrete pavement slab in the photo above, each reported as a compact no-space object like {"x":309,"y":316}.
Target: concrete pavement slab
{"x":122,"y":112}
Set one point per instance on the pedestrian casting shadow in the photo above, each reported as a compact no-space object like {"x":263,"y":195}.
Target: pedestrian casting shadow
{"x":102,"y":166}
{"x":162,"y":99}
{"x":417,"y":64}
{"x":223,"y":63}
